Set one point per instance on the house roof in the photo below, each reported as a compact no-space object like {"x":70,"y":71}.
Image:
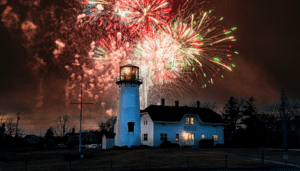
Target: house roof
{"x":27,"y":137}
{"x":175,"y":114}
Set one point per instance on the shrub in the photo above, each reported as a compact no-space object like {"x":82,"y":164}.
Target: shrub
{"x":124,"y":147}
{"x":166,"y":144}
{"x":133,"y":147}
{"x":175,"y":145}
{"x":116,"y":147}
{"x":143,"y":146}
{"x":219,"y":145}
{"x":206,"y":143}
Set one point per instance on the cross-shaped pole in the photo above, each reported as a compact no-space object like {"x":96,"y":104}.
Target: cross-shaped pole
{"x":80,"y":116}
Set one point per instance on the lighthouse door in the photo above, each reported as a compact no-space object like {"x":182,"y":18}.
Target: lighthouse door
{"x":190,"y":139}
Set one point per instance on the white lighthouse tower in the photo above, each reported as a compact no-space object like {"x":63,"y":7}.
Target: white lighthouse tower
{"x":128,"y":127}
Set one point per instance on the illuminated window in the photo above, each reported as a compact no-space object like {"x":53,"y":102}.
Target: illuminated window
{"x":130,"y":126}
{"x":192,"y":121}
{"x":215,"y":137}
{"x":163,"y":137}
{"x":189,"y":121}
{"x":177,"y":137}
{"x":203,"y":136}
{"x":145,"y":137}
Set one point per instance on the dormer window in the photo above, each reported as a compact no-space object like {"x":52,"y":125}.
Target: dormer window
{"x":130,"y":126}
{"x":189,"y":121}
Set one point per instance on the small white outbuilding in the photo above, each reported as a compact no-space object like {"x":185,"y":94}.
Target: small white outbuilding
{"x":108,"y":140}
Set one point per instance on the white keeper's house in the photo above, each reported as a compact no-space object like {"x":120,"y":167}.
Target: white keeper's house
{"x":157,"y":123}
{"x":180,"y":124}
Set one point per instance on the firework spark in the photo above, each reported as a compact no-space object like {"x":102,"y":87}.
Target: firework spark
{"x":144,"y":15}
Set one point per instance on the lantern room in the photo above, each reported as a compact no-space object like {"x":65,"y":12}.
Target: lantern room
{"x":129,"y":73}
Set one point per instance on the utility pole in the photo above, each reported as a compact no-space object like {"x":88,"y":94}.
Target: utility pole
{"x":80,"y":115}
{"x":18,"y":118}
{"x":283,"y":101}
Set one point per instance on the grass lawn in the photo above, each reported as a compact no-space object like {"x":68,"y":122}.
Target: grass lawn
{"x":139,"y":159}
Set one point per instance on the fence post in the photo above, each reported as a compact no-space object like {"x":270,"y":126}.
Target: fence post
{"x":70,"y":162}
{"x":262,"y":158}
{"x":150,"y":162}
{"x":187,"y":157}
{"x":111,"y":164}
{"x":226,"y":161}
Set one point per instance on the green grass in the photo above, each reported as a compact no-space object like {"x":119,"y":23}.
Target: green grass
{"x":129,"y":159}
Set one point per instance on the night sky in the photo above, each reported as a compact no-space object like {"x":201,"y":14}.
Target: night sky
{"x":33,"y":78}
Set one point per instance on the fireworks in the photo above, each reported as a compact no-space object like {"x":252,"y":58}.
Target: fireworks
{"x":202,"y":45}
{"x":86,"y":41}
{"x":144,"y":15}
{"x":184,"y":48}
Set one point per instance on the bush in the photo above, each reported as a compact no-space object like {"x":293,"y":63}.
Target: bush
{"x":124,"y":147}
{"x":206,"y":143}
{"x":133,"y":147}
{"x":166,"y":144}
{"x":143,"y":146}
{"x":219,"y":145}
{"x":116,"y":147}
{"x":175,"y":145}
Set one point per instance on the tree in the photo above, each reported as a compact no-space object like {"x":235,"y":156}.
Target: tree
{"x":250,"y":119}
{"x":250,"y":108}
{"x":10,"y":127}
{"x":62,"y":125}
{"x":50,"y":133}
{"x":107,"y":125}
{"x":291,"y":110}
{"x":231,"y":114}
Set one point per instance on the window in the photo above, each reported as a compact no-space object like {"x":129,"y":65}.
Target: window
{"x":145,"y":122}
{"x":177,"y":137}
{"x":215,"y":137}
{"x":189,"y":121}
{"x":130,"y":126}
{"x":163,"y":137}
{"x":203,"y":137}
{"x":192,"y":121}
{"x":145,"y":137}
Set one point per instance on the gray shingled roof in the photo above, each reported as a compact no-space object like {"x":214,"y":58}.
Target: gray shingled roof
{"x":175,"y":114}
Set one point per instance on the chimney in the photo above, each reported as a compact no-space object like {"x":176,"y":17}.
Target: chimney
{"x":73,"y":130}
{"x":177,"y":103}
{"x":163,"y":102}
{"x":198,"y":104}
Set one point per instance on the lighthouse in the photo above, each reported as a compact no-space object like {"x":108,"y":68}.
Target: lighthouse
{"x":128,"y":127}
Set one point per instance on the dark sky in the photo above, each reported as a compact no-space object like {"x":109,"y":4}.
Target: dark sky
{"x":33,"y":79}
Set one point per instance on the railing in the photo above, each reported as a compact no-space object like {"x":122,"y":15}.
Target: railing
{"x":119,"y":79}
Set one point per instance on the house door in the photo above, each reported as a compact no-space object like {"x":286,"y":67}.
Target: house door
{"x":190,"y":139}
